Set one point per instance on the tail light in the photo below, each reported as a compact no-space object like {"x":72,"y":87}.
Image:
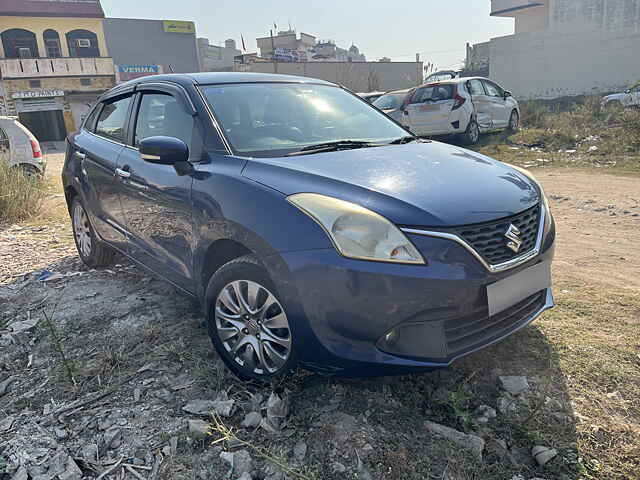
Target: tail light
{"x":459,"y":100}
{"x":35,"y":148}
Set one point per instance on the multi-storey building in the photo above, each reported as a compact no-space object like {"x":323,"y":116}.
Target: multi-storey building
{"x":53,"y":63}
{"x":566,"y":47}
{"x":215,"y":58}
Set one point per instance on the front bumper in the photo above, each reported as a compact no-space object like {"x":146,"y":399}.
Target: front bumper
{"x":344,"y":309}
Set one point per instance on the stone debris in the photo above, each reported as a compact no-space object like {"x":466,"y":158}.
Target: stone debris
{"x":543,"y":455}
{"x":515,"y":385}
{"x":240,"y":462}
{"x":337,"y":467}
{"x":252,"y":420}
{"x":484,"y":414}
{"x":276,"y":413}
{"x":5,"y":384}
{"x":222,"y":407}
{"x":199,"y":429}
{"x":300,"y":451}
{"x":472,"y":443}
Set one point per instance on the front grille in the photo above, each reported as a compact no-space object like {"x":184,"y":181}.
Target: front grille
{"x":488,"y":239}
{"x":464,"y":334}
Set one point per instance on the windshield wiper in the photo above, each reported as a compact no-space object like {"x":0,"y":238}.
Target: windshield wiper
{"x":334,"y":146}
{"x":405,"y":139}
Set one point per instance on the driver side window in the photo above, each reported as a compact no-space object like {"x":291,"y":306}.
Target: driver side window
{"x":492,"y":89}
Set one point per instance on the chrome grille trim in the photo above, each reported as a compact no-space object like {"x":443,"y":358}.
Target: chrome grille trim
{"x":501,"y":267}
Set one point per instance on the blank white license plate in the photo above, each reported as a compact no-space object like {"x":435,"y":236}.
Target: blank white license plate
{"x":511,"y":290}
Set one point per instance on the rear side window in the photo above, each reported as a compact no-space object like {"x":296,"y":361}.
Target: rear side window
{"x":433,"y":93}
{"x":90,"y":121}
{"x":476,"y":88}
{"x":113,"y":119}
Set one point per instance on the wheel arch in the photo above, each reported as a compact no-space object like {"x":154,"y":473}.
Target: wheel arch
{"x":216,"y":255}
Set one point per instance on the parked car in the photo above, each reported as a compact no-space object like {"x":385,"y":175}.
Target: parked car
{"x":466,"y":107}
{"x":392,"y":103}
{"x":20,"y":148}
{"x":628,"y":98}
{"x":371,"y":96}
{"x":314,"y":230}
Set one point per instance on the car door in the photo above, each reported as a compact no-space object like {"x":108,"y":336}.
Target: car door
{"x":500,"y":111}
{"x":156,"y":200}
{"x":96,"y":149}
{"x":482,"y":104}
{"x":632,"y":98}
{"x":430,"y":108}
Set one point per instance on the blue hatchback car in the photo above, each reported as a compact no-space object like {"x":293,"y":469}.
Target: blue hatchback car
{"x":315,"y":230}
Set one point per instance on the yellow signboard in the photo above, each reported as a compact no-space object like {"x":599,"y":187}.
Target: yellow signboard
{"x":178,"y":26}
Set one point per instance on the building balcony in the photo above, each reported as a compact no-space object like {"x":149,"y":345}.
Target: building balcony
{"x":55,"y":67}
{"x":509,"y":8}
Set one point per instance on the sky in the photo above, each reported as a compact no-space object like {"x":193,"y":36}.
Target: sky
{"x":438,"y":30}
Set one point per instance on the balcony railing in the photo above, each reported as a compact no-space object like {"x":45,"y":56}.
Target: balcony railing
{"x":55,"y":67}
{"x":509,"y":7}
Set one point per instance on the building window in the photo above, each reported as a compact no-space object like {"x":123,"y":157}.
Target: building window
{"x":19,"y":43}
{"x":85,"y":82}
{"x":35,"y":84}
{"x":52,"y":43}
{"x":83,"y":44}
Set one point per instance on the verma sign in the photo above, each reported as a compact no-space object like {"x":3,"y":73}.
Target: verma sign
{"x":129,"y":72}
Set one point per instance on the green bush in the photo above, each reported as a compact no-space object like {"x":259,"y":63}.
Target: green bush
{"x":21,"y":196}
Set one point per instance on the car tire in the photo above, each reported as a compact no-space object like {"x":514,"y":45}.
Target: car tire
{"x":248,"y":325}
{"x":514,"y":121}
{"x":472,"y":134}
{"x":91,"y":250}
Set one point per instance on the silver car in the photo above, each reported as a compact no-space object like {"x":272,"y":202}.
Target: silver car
{"x":20,"y":148}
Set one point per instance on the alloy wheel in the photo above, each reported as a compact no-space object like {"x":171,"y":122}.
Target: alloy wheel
{"x":82,"y":230}
{"x":253,"y":327}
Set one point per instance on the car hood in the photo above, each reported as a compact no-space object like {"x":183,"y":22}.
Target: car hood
{"x":417,"y":184}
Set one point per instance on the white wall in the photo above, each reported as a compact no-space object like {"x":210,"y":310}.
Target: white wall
{"x":551,"y":64}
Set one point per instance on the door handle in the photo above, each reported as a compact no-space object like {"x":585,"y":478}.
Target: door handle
{"x":80,"y":155}
{"x":123,"y":173}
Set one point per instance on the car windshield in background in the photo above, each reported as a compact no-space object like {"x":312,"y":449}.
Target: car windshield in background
{"x":390,"y":101}
{"x":274,"y":119}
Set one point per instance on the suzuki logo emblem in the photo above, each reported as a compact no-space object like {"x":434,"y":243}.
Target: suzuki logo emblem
{"x":513,"y":236}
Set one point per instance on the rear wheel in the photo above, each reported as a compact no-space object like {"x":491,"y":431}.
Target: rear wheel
{"x":247,"y":323}
{"x":514,"y":121}
{"x":472,"y":134}
{"x":92,"y":251}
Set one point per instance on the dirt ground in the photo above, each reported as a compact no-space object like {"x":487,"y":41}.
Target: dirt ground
{"x":97,"y":368}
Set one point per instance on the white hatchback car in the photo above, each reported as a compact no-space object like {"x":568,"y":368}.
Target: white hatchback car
{"x":628,"y":98}
{"x":20,"y":148}
{"x":466,"y":106}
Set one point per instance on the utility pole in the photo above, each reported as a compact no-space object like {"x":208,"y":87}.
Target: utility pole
{"x":419,"y":68}
{"x":273,"y":53}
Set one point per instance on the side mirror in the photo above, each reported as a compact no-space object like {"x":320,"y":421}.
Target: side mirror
{"x":164,"y":150}
{"x":507,"y":94}
{"x":627,"y":91}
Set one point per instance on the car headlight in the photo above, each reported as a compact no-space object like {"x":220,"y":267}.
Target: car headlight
{"x":356,"y":231}
{"x":545,"y":200}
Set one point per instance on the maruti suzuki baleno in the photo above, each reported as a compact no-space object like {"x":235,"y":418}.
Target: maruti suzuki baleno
{"x":315,"y":230}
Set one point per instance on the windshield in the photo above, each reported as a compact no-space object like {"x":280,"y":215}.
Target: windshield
{"x":273,"y":119}
{"x":390,"y":101}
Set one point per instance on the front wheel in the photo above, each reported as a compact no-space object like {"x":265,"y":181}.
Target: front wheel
{"x":472,"y":134}
{"x":92,"y":251}
{"x":248,"y":325}
{"x":514,"y":121}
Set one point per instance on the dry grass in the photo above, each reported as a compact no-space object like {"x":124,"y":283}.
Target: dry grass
{"x":21,"y":197}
